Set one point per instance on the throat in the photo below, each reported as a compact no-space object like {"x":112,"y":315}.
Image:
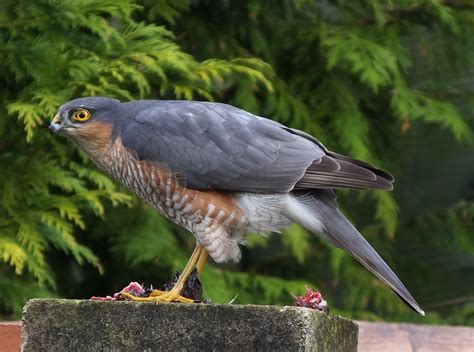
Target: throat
{"x":96,"y":140}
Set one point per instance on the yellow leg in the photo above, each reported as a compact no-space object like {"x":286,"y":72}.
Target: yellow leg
{"x":197,"y":259}
{"x":202,"y":260}
{"x":189,"y":266}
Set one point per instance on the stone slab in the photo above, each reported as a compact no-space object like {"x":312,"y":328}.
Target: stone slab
{"x":80,"y":325}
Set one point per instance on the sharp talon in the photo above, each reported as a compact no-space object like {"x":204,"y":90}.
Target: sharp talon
{"x":157,"y":293}
{"x":187,"y":282}
{"x":158,"y":296}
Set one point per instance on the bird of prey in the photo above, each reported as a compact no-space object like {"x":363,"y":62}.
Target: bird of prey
{"x":221,"y":172}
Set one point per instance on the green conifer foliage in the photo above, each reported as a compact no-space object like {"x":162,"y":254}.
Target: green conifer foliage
{"x":52,"y":51}
{"x":345,"y":71}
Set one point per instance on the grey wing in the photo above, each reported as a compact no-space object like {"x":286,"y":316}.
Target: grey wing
{"x":334,"y":170}
{"x":217,"y":146}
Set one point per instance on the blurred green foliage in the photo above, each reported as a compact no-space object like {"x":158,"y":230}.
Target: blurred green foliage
{"x":344,"y":71}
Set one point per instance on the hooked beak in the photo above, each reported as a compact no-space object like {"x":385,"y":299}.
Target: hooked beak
{"x":55,"y":125}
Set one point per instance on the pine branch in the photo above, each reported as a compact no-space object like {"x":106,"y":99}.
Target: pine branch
{"x":413,"y":13}
{"x":395,"y":14}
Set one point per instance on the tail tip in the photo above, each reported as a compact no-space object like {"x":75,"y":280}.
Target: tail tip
{"x":422,"y":312}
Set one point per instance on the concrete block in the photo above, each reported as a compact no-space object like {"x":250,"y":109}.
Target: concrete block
{"x":81,"y":325}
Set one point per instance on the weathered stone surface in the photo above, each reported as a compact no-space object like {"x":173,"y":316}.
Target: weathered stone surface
{"x":74,"y":325}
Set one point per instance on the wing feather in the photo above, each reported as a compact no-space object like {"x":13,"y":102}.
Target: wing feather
{"x":329,"y":172}
{"x":217,"y":146}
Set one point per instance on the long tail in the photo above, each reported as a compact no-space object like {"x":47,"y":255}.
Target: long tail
{"x":318,"y":213}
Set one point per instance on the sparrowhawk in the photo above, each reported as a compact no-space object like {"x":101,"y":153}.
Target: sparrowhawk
{"x":222,"y":172}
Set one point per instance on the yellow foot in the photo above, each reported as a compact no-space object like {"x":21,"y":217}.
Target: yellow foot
{"x":158,"y":296}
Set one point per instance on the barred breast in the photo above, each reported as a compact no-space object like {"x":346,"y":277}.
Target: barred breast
{"x":211,"y":216}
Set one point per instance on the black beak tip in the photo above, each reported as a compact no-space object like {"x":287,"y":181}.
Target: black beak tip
{"x":54,"y":128}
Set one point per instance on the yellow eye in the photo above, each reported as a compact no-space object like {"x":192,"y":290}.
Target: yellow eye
{"x":81,"y":115}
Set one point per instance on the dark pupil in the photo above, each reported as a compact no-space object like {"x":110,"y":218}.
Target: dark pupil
{"x":82,"y":115}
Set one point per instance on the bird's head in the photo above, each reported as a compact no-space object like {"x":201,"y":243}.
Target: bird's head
{"x":84,"y":113}
{"x":90,"y":123}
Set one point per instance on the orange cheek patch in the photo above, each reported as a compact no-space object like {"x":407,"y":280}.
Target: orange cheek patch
{"x":98,"y":134}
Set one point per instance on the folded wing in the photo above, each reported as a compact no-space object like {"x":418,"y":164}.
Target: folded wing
{"x":217,"y":146}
